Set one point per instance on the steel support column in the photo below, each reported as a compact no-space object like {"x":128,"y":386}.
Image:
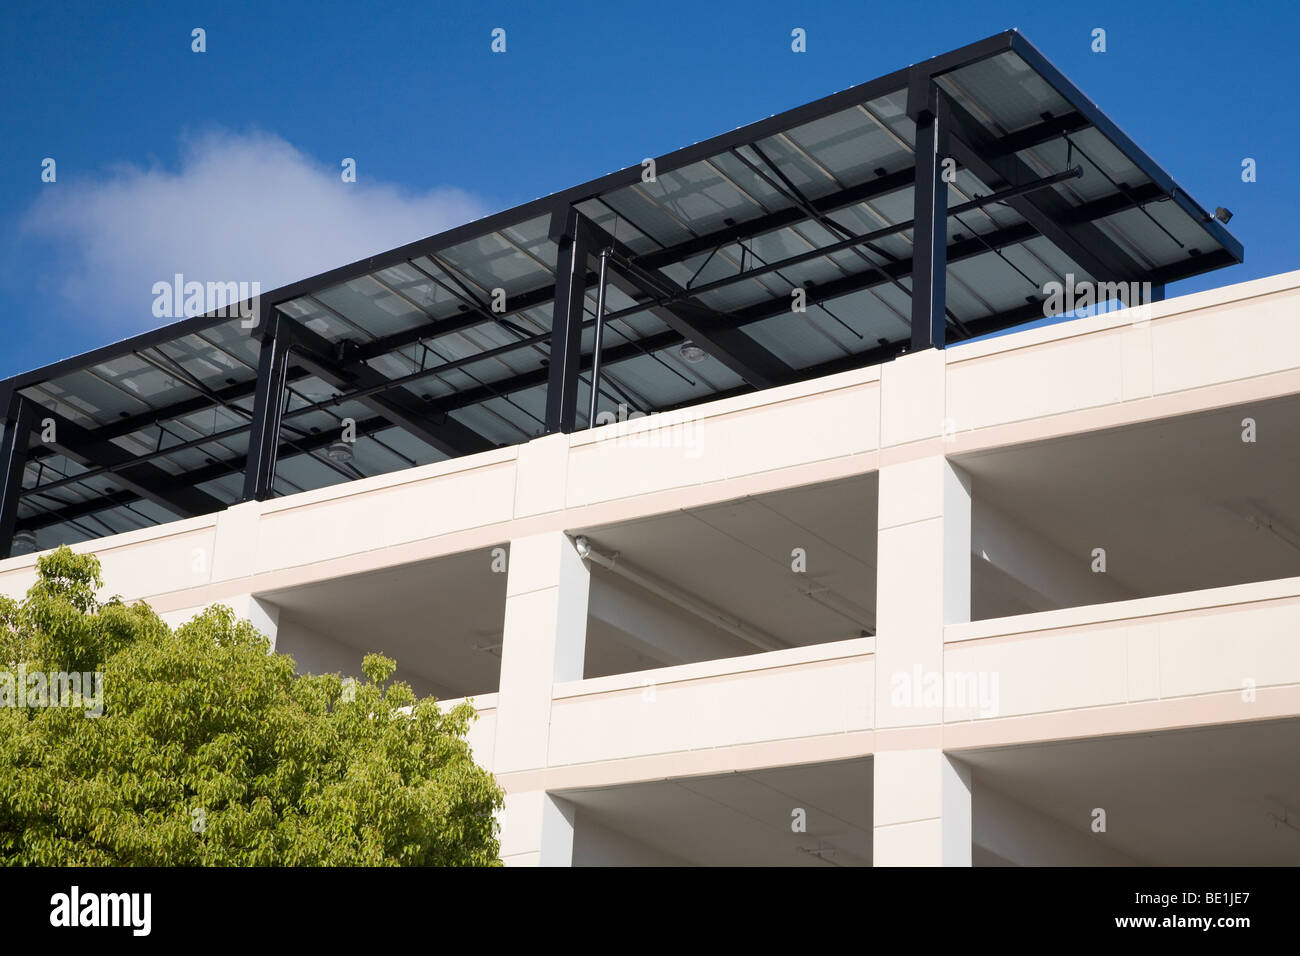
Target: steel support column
{"x":566,"y":323}
{"x":13,"y":457}
{"x":929,"y":215}
{"x":599,"y":342}
{"x":268,"y":406}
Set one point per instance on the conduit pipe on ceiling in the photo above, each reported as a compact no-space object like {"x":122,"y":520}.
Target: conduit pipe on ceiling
{"x":707,"y":612}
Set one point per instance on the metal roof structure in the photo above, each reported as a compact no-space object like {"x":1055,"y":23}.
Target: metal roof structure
{"x":919,"y":209}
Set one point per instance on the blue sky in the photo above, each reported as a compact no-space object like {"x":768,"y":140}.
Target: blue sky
{"x":227,"y":162}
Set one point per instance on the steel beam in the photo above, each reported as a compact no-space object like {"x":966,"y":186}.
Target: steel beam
{"x":146,"y":480}
{"x":336,"y":364}
{"x":198,"y":476}
{"x":976,"y":149}
{"x":713,"y":331}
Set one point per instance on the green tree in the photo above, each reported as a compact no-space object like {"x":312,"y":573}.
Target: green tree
{"x":211,"y":751}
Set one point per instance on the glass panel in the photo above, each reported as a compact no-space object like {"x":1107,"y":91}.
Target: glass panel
{"x":643,"y":206}
{"x":758,"y":187}
{"x":494,"y":261}
{"x":616,"y":225}
{"x":701,"y":198}
{"x":371,"y":308}
{"x":808,"y":177}
{"x":133,"y":377}
{"x":237,"y":340}
{"x":86,"y":399}
{"x":312,"y":315}
{"x":801,"y":340}
{"x":426,"y":286}
{"x":1004,"y":93}
{"x":851,"y":146}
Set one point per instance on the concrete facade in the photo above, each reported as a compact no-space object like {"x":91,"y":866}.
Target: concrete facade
{"x":1103,"y":667}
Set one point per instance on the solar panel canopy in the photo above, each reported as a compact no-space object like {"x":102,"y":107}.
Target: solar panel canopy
{"x":781,"y":251}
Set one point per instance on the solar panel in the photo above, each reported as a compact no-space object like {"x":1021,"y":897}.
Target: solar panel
{"x":484,"y":336}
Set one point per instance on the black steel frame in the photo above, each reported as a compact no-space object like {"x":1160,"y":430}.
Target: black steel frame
{"x":290,"y":352}
{"x":17,"y":430}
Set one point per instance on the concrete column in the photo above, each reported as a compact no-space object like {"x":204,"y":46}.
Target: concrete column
{"x":263,"y":615}
{"x":922,"y":809}
{"x":234,"y":546}
{"x":923,"y":584}
{"x":922,"y":805}
{"x":536,"y":830}
{"x":544,"y":641}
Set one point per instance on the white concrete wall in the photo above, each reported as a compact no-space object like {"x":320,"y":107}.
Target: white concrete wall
{"x":1198,"y":657}
{"x":788,"y":694}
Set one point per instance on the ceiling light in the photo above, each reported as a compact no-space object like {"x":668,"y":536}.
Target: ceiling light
{"x":340,"y":451}
{"x":24,"y":542}
{"x":692,"y":353}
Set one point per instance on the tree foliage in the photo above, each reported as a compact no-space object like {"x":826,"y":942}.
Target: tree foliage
{"x":212,"y":751}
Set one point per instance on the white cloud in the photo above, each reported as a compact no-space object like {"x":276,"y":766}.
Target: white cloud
{"x":242,"y":207}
